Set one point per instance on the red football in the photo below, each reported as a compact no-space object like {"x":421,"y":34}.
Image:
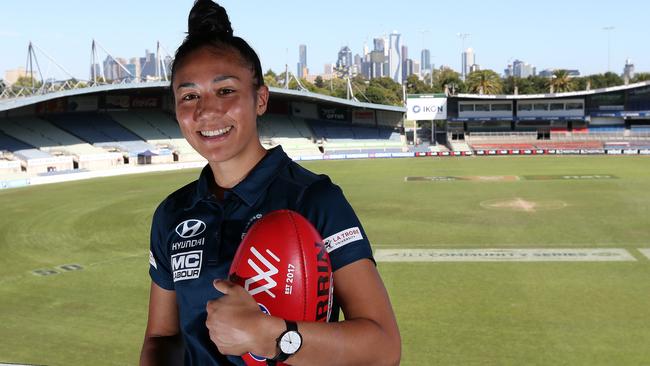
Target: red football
{"x":283,"y":264}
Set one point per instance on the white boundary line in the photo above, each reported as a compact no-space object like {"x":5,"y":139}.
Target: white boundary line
{"x":505,"y":255}
{"x":645,"y":252}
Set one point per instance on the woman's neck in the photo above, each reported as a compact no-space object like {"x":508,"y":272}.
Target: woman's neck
{"x":228,"y":174}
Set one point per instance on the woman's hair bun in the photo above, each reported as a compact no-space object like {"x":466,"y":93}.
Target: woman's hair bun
{"x":208,"y":18}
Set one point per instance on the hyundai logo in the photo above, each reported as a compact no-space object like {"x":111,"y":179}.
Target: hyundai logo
{"x":190,"y":228}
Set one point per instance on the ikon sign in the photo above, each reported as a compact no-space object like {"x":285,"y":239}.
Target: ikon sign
{"x":421,"y":107}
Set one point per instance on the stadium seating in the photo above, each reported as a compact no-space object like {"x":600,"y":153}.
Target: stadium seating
{"x":503,"y":146}
{"x":291,"y":132}
{"x":49,"y":138}
{"x":100,"y":130}
{"x":349,"y":137}
{"x":32,"y":160}
{"x":161,"y":129}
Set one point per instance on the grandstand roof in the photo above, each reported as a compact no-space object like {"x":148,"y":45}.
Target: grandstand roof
{"x":25,"y":101}
{"x":556,"y":95}
{"x":13,"y":103}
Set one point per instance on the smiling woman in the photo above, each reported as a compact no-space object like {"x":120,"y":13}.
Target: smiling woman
{"x":217,"y":105}
{"x":195,"y":316}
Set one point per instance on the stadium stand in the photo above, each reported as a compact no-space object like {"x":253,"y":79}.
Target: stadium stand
{"x":48,"y":138}
{"x":640,"y":131}
{"x":164,"y":133}
{"x":460,"y":146}
{"x":101,"y":131}
{"x":292,"y":133}
{"x":31,"y":159}
{"x":340,"y":137}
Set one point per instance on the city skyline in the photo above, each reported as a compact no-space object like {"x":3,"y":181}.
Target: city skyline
{"x":579,"y":36}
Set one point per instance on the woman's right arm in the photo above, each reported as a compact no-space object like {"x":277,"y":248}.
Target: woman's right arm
{"x":163,"y":344}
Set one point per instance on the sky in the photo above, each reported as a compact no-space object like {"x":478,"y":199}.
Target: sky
{"x":550,"y":34}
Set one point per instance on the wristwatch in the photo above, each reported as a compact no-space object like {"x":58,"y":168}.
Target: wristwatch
{"x":288,"y":343}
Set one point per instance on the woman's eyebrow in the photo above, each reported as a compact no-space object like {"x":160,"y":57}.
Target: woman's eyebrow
{"x":186,"y":85}
{"x":224,"y":77}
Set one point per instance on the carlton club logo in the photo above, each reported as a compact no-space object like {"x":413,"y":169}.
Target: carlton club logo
{"x":263,"y":281}
{"x":190,"y":228}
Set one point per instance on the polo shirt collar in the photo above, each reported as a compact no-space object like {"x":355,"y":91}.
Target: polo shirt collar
{"x":251,"y":188}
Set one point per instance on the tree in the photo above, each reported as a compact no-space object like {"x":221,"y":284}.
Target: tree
{"x":271,"y":79}
{"x":580,"y":83}
{"x":318,"y":82}
{"x":642,"y":76}
{"x":416,"y":86}
{"x":484,"y":82}
{"x":3,"y":86}
{"x":384,"y":91}
{"x":449,"y":78}
{"x":27,"y":84}
{"x":338,"y":88}
{"x":539,"y":84}
{"x":605,"y":80}
{"x":561,"y":82}
{"x":523,"y":85}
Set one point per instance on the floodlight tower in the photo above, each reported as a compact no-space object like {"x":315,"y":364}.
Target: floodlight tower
{"x":463,"y":37}
{"x":608,"y":29}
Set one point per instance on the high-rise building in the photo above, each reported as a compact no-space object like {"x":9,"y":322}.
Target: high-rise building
{"x":95,"y":71}
{"x":628,"y":70}
{"x":148,"y":64}
{"x":134,"y":68}
{"x":417,"y":69}
{"x":425,"y":61}
{"x":344,"y":60}
{"x":521,"y":69}
{"x":407,"y":69}
{"x":111,"y":69}
{"x":377,"y":61}
{"x":394,"y":58}
{"x":379,"y":44}
{"x":328,"y":71}
{"x":11,"y":76}
{"x":302,"y":61}
{"x":468,"y":61}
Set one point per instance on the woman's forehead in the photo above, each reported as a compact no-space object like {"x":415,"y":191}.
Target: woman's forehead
{"x":212,"y":62}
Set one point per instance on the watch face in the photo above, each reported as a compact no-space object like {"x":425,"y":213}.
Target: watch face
{"x":290,"y":342}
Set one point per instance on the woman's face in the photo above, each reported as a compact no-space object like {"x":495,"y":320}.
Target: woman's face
{"x":217,"y":103}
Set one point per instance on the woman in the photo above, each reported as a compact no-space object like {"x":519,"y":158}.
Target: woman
{"x":194,"y":315}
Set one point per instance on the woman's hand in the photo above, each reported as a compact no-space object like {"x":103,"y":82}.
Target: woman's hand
{"x":237,"y":325}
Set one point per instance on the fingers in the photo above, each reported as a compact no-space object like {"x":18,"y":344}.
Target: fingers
{"x":223,"y":286}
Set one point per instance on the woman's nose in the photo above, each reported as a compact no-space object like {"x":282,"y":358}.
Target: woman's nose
{"x":209,"y":106}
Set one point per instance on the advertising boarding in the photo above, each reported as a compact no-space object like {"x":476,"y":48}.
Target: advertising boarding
{"x":423,"y":107}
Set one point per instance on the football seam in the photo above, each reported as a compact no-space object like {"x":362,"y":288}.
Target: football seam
{"x":302,"y":264}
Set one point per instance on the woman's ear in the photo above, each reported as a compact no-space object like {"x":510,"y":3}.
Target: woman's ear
{"x":262,"y":99}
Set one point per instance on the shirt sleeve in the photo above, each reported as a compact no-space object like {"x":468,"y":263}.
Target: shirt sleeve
{"x":159,"y":263}
{"x":325,"y":206}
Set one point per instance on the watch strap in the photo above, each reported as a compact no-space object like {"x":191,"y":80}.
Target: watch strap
{"x":281,"y":356}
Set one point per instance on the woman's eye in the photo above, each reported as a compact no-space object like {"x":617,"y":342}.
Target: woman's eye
{"x":226,"y":91}
{"x":189,"y":97}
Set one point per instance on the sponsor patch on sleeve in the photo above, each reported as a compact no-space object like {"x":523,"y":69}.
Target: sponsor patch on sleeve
{"x":342,"y":238}
{"x":152,"y":261}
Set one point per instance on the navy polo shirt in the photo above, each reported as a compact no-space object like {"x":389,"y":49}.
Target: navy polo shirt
{"x":194,"y":236}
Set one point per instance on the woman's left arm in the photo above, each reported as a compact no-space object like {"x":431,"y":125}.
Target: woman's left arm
{"x":368,"y":336}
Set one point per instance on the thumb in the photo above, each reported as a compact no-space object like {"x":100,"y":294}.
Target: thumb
{"x":223,"y":286}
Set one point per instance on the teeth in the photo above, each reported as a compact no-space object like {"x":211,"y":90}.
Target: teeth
{"x":218,"y":132}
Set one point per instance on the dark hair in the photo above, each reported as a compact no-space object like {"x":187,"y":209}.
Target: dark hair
{"x":208,"y":26}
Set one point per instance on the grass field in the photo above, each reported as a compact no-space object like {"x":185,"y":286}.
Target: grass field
{"x":88,"y":243}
